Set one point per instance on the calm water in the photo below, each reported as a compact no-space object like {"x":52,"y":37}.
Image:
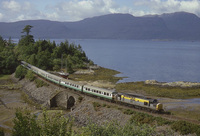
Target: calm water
{"x":140,"y":60}
{"x":164,"y":61}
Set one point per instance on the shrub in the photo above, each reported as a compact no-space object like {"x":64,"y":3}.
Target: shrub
{"x":113,"y":128}
{"x":149,"y":119}
{"x":30,"y":76}
{"x":104,"y":105}
{"x":27,"y":124}
{"x":96,"y":105}
{"x":185,"y":127}
{"x":1,"y":132}
{"x":129,"y":112}
{"x":80,"y":98}
{"x":40,"y":83}
{"x":20,"y":72}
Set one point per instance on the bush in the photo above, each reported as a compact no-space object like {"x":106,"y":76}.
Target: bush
{"x":96,"y":105}
{"x":149,"y":119}
{"x":40,"y":83}
{"x":80,"y":98}
{"x":185,"y":127}
{"x":27,"y":124}
{"x":129,"y":112}
{"x":1,"y":132}
{"x":30,"y":76}
{"x":113,"y":128}
{"x":20,"y":72}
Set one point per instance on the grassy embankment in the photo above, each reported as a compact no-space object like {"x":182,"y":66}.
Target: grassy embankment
{"x":183,"y":127}
{"x":140,"y":87}
{"x":147,"y":90}
{"x":160,"y":91}
{"x":99,"y":74}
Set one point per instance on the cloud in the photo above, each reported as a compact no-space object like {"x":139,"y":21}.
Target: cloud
{"x":169,"y":6}
{"x":1,"y":16}
{"x":76,"y":10}
{"x":11,"y":6}
{"x":14,"y":11}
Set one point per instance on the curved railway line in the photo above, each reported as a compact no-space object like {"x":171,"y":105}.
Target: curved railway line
{"x":112,"y":98}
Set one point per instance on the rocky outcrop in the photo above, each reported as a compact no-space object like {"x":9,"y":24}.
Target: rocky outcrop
{"x":173,"y":84}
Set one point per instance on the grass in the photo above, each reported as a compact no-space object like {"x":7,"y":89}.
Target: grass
{"x":26,"y":98}
{"x":187,"y":114}
{"x":155,"y":90}
{"x":4,"y":77}
{"x":99,"y":74}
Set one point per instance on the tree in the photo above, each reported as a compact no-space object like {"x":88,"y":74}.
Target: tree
{"x":27,"y":124}
{"x":8,"y":60}
{"x":20,"y":72}
{"x":27,"y":29}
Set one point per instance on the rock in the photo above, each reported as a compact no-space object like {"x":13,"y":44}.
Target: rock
{"x":173,"y":84}
{"x":84,"y":72}
{"x":151,"y":82}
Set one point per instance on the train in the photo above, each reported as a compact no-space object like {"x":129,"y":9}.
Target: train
{"x":107,"y":94}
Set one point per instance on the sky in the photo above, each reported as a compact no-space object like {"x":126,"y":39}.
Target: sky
{"x":75,"y":10}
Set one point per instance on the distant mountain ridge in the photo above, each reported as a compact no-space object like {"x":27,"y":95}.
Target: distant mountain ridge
{"x":174,"y":26}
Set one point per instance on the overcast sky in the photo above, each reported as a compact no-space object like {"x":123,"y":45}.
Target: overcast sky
{"x":74,"y":10}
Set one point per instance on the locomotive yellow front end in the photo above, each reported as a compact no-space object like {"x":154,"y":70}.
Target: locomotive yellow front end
{"x":159,"y":107}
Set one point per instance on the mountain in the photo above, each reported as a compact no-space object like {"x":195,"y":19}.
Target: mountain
{"x":177,"y":26}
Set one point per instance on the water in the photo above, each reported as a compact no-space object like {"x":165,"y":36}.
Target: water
{"x":139,"y":60}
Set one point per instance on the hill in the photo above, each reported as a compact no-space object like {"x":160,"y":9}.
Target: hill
{"x":176,"y":26}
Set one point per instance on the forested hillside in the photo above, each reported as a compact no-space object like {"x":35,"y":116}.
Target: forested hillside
{"x":42,"y":53}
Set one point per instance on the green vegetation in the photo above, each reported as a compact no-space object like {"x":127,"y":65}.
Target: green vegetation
{"x":159,"y":91}
{"x":47,"y":55}
{"x":186,"y":128}
{"x":8,"y":60}
{"x":26,"y":99}
{"x":179,"y":126}
{"x":4,"y":77}
{"x":96,"y":105}
{"x":40,"y":83}
{"x":30,"y":76}
{"x":99,"y":74}
{"x":42,"y":53}
{"x":1,"y":132}
{"x":114,"y":129}
{"x":20,"y":72}
{"x":80,"y":98}
{"x":140,"y":124}
{"x":27,"y":124}
{"x":144,"y":118}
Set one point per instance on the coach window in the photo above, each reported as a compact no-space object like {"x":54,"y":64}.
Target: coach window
{"x":104,"y":93}
{"x":107,"y":94}
{"x":100,"y":92}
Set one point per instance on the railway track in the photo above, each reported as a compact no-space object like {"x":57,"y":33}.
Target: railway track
{"x":165,"y":115}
